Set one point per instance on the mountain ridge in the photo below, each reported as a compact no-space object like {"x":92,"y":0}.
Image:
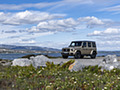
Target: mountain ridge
{"x":31,"y":48}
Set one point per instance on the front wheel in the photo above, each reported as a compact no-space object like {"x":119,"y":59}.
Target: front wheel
{"x":93,"y":55}
{"x":82,"y":56}
{"x":65,"y":56}
{"x":77,"y":55}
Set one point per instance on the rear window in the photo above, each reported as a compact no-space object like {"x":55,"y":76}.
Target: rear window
{"x":93,"y":44}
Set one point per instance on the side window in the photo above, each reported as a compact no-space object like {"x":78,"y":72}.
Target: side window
{"x":93,"y":43}
{"x":76,"y":44}
{"x":84,"y":44}
{"x":89,"y":44}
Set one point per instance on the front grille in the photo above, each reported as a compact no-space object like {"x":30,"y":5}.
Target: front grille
{"x":66,"y":50}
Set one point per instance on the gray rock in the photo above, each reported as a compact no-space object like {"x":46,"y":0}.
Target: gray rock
{"x":35,"y":61}
{"x":21,"y":62}
{"x":39,"y":61}
{"x":3,"y":62}
{"x":109,"y":62}
{"x":76,"y":66}
{"x":7,"y":64}
{"x":109,"y":59}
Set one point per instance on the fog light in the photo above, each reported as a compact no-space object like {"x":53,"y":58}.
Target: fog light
{"x":72,"y":49}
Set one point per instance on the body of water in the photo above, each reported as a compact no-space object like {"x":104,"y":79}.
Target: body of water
{"x":13,"y":56}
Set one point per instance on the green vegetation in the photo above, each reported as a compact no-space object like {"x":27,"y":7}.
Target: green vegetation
{"x":56,"y":77}
{"x":28,"y":56}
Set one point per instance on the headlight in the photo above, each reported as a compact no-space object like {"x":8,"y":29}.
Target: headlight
{"x":72,"y":49}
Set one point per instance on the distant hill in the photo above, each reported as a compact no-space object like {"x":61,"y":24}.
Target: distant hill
{"x":29,"y":48}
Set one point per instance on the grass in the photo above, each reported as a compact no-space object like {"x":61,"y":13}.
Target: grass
{"x":56,"y":77}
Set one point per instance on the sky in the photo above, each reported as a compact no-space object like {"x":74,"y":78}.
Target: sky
{"x":55,"y":23}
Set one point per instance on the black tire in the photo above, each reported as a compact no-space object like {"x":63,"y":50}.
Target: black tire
{"x":93,"y":55}
{"x":77,"y":55}
{"x":65,"y":56}
{"x":82,"y":56}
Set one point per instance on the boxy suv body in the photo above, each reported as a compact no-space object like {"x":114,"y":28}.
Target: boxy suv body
{"x":79,"y":49}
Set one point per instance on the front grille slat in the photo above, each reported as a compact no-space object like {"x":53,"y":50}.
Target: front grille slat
{"x":66,"y":50}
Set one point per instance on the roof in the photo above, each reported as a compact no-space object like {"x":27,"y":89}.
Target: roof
{"x":83,"y":41}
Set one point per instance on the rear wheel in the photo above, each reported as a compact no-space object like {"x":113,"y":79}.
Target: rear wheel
{"x":93,"y":55}
{"x":65,"y":56}
{"x":77,"y":55}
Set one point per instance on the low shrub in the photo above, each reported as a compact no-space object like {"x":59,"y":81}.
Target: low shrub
{"x":28,"y":56}
{"x":56,"y":77}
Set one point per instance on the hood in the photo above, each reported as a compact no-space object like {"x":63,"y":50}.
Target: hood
{"x":68,"y":48}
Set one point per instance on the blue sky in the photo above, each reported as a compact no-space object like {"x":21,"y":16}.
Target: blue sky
{"x":55,"y":23}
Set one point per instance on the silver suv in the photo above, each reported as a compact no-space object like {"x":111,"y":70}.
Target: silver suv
{"x":79,"y":49}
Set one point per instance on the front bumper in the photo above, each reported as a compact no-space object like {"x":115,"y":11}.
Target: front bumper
{"x":67,"y":53}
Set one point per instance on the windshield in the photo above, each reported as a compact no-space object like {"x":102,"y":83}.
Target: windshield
{"x":75,"y":44}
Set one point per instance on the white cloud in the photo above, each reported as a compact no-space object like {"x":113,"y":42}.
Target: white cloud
{"x":75,"y":2}
{"x":108,"y":39}
{"x":27,"y":42}
{"x":3,"y":16}
{"x":108,"y":45}
{"x":91,"y":21}
{"x":109,"y":31}
{"x":55,"y":4}
{"x":43,"y":5}
{"x":70,"y":24}
{"x":53,"y":44}
{"x":35,"y":17}
{"x":23,"y":38}
{"x":27,"y":17}
{"x":115,"y":9}
{"x":24,"y":6}
{"x":55,"y":26}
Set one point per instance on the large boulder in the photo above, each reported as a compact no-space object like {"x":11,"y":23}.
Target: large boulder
{"x":110,"y":59}
{"x":109,"y":62}
{"x":39,"y":60}
{"x":36,"y":61}
{"x":21,"y":62}
{"x":76,"y":66}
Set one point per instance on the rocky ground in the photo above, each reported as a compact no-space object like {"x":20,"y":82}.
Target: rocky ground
{"x":85,"y":61}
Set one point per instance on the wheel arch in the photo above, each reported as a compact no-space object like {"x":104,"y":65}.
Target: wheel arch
{"x":92,"y":52}
{"x":78,"y":51}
